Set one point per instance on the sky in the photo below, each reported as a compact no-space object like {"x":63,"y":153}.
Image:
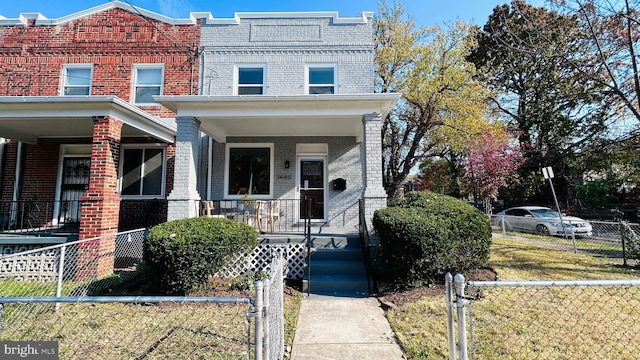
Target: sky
{"x":425,"y":12}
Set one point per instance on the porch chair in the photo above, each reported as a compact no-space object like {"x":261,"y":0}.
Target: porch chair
{"x":206,"y":209}
{"x":274,"y":214}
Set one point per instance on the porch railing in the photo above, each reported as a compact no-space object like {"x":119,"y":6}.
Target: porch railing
{"x":38,"y":217}
{"x":289,"y":216}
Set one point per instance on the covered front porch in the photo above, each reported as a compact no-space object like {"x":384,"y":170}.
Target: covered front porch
{"x":280,"y":150}
{"x":61,"y":164}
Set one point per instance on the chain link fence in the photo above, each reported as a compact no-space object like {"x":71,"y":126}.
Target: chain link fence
{"x":95,"y":266}
{"x":543,"y":319}
{"x":615,"y":240}
{"x":59,"y":293}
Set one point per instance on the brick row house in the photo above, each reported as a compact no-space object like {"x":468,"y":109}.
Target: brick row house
{"x":117,"y":117}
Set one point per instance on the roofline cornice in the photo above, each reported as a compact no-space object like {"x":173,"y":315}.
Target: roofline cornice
{"x":40,"y":19}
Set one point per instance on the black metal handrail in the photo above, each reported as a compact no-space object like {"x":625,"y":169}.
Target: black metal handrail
{"x":307,"y":238}
{"x":365,"y":239}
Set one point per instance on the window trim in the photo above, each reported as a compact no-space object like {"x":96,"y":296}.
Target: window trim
{"x":134,"y":79}
{"x":307,"y":69}
{"x":236,"y":78}
{"x":228,"y":148}
{"x":163,"y":186}
{"x":64,"y":84}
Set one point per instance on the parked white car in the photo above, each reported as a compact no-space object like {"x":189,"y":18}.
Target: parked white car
{"x":542,"y":221}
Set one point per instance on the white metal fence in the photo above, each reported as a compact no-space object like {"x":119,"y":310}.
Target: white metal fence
{"x":616,"y":240}
{"x":65,"y":303}
{"x":543,"y":319}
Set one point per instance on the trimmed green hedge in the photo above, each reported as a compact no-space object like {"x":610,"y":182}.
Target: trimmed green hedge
{"x":180,"y":255}
{"x":427,"y":235}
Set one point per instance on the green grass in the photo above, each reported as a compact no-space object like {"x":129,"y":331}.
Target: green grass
{"x":520,"y":323}
{"x":127,"y":331}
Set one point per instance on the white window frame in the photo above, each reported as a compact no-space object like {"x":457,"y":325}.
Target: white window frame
{"x":164,"y":170}
{"x":308,"y":68}
{"x":228,"y":148}
{"x":236,"y":78}
{"x":135,"y":86}
{"x":65,"y":76}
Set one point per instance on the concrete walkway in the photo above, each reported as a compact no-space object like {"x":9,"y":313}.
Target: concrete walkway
{"x":343,"y":328}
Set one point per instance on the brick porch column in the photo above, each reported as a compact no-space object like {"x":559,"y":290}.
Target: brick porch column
{"x":374,"y":195}
{"x":100,"y":204}
{"x":184,"y":198}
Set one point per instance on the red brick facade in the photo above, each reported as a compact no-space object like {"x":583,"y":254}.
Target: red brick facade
{"x":31,"y":64}
{"x":32,"y":60}
{"x":32,"y":56}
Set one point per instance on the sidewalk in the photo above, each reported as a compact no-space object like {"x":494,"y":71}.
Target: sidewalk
{"x":343,"y":328}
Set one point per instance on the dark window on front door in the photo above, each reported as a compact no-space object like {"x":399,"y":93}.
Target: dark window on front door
{"x":312,"y":189}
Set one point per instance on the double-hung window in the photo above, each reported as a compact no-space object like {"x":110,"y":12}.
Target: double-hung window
{"x":250,"y":80}
{"x":148,"y":80}
{"x":321,"y":79}
{"x":142,"y":171}
{"x":249,"y":170}
{"x":76,"y":80}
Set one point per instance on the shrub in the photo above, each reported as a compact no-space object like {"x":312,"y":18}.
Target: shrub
{"x":631,"y":240}
{"x":428,"y":235}
{"x":180,"y":255}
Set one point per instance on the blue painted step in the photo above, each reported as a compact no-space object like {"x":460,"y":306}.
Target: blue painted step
{"x":337,"y":268}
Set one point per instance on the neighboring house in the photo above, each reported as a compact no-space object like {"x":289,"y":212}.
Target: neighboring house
{"x":116,"y":117}
{"x":288,"y":102}
{"x":84,"y":142}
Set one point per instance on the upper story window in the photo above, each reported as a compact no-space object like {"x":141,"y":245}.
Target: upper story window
{"x":76,"y":80}
{"x":148,"y":80}
{"x":251,"y":79}
{"x":321,"y":79}
{"x":142,"y":172}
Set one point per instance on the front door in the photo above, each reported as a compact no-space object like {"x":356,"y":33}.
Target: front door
{"x":75,"y":181}
{"x":312,"y":188}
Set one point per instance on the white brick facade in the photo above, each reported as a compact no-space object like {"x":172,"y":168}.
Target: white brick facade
{"x":285,"y":45}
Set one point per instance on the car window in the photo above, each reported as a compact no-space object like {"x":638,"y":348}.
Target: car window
{"x":519,"y":212}
{"x":546,"y":213}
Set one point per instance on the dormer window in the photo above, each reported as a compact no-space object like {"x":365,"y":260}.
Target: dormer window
{"x":76,"y":80}
{"x":251,"y":80}
{"x":321,"y":79}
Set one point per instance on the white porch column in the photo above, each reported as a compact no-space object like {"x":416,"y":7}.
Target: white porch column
{"x":184,"y":198}
{"x":374,"y":195}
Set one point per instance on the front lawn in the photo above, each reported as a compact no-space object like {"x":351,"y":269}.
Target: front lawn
{"x":421,"y":325}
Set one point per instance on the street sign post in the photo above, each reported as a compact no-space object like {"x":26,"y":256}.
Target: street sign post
{"x":547,"y":172}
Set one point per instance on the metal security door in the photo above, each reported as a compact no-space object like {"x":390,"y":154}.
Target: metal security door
{"x":75,"y":181}
{"x":312,"y":187}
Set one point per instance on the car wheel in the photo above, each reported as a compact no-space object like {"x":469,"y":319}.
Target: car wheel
{"x":542,"y":230}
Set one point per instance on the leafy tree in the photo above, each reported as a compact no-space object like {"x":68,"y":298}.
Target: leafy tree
{"x":593,"y":194}
{"x":442,"y":103}
{"x":491,"y":164}
{"x":534,"y":61}
{"x":612,"y":31}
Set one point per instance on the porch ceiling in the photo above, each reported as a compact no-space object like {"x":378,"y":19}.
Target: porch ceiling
{"x":27,"y":118}
{"x":264,"y":115}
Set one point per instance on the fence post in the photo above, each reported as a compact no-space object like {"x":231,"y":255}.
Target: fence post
{"x":623,"y":237}
{"x":461,"y":303}
{"x":60,"y":275}
{"x":448,"y":280}
{"x":265,"y":315}
{"x":258,"y":313}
